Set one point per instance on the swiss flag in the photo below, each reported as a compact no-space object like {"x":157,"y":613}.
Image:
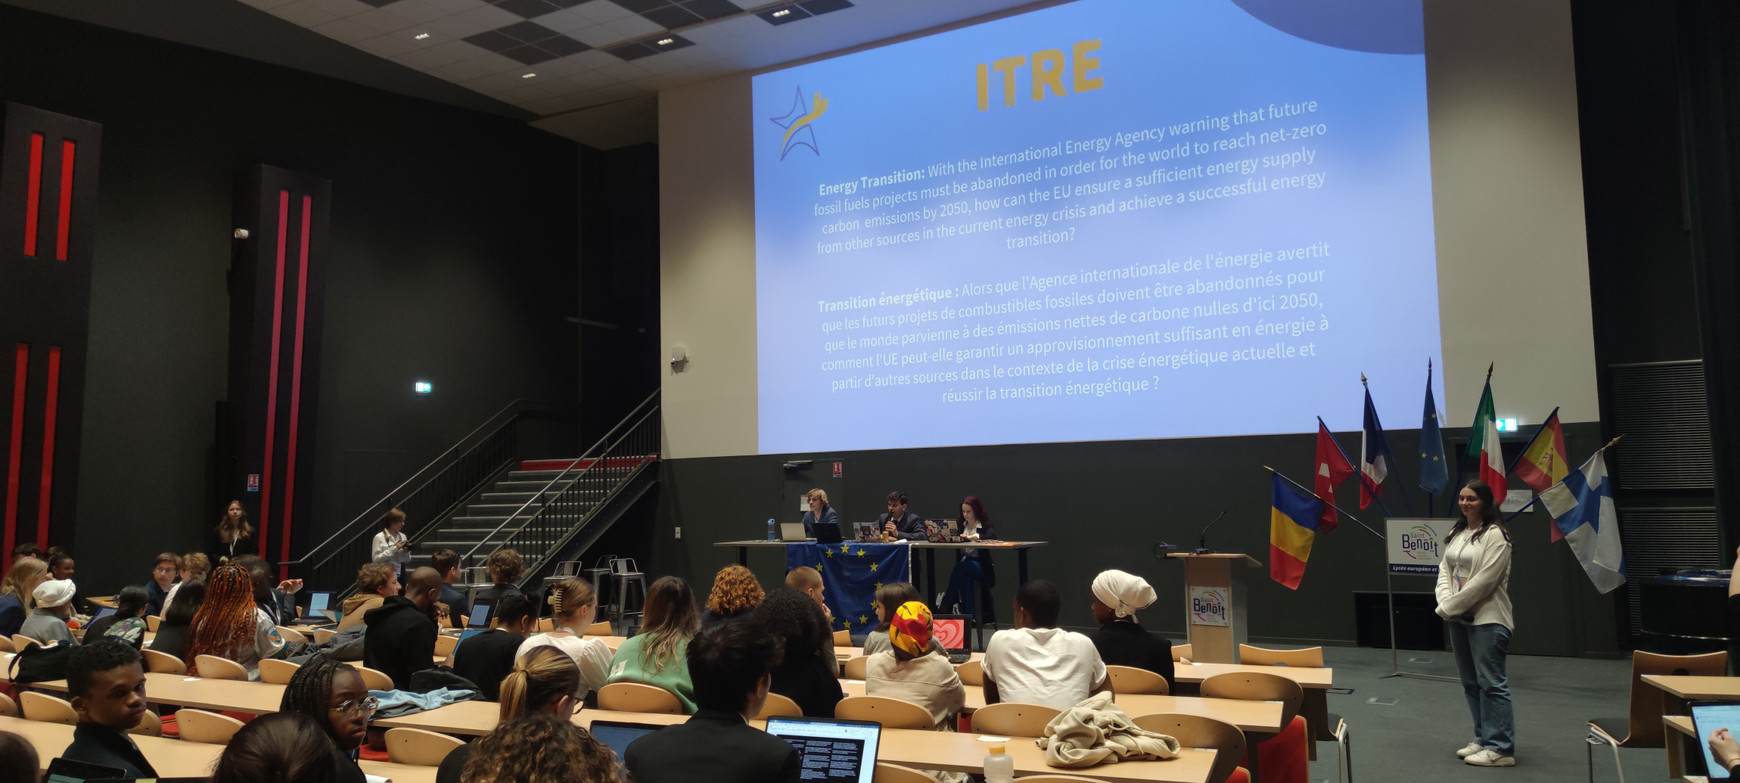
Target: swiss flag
{"x":1332,"y":469}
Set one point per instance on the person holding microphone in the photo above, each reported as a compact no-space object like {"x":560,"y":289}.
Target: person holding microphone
{"x":898,"y":522}
{"x":1474,"y":599}
{"x":391,"y":545}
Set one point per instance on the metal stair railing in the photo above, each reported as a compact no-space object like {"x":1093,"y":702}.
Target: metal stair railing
{"x":591,"y":481}
{"x":430,"y":496}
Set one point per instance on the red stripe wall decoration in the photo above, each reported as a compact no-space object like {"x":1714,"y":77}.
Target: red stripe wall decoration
{"x":48,"y":420}
{"x":296,"y":380}
{"x":32,"y":198}
{"x":272,"y":373}
{"x":63,"y":220}
{"x":16,"y":450}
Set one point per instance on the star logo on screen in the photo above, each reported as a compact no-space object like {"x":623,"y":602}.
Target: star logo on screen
{"x":799,"y":123}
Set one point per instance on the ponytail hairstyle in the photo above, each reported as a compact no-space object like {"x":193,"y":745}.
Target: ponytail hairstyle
{"x":670,"y":621}
{"x":539,"y":679}
{"x":224,"y":624}
{"x":569,"y":596}
{"x":1489,"y":516}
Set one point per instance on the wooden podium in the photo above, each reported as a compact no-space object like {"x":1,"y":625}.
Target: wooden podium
{"x":1214,"y":604}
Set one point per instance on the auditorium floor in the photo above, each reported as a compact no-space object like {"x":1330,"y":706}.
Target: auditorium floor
{"x":1416,"y":737}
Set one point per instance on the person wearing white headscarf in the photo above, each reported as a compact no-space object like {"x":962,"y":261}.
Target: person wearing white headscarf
{"x":47,"y":623}
{"x":1121,"y":641}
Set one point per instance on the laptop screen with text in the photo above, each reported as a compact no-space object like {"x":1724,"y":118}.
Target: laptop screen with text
{"x":834,"y":751}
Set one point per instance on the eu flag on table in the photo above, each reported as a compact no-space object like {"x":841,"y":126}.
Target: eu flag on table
{"x":851,"y":573}
{"x":1434,"y":471}
{"x":1292,"y":529}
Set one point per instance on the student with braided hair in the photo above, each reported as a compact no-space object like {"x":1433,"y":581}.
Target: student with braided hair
{"x":333,"y":694}
{"x":575,"y":605}
{"x":230,"y":625}
{"x":542,"y":682}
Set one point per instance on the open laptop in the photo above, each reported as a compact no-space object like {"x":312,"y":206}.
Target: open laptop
{"x":952,"y":631}
{"x":826,"y":532}
{"x":102,"y":612}
{"x":1707,"y":717}
{"x":320,"y":606}
{"x":617,"y":735}
{"x":836,"y":751}
{"x":792,"y":531}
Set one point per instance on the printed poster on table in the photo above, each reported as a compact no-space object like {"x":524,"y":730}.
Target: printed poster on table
{"x":1416,"y":545}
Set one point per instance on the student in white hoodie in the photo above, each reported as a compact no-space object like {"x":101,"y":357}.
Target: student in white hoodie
{"x":1474,"y":600}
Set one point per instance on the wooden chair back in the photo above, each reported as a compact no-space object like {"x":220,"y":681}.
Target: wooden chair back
{"x":891,"y":713}
{"x":638,"y":697}
{"x":277,"y":672}
{"x":1014,"y":719}
{"x":779,"y":706}
{"x":1181,"y":652}
{"x":324,"y":635}
{"x":1646,"y":729}
{"x":153,"y":622}
{"x":855,"y":668}
{"x":1129,"y":679}
{"x":1195,"y":731}
{"x":600,"y":628}
{"x":545,"y":625}
{"x":46,"y":708}
{"x":444,"y":645}
{"x":208,"y":727}
{"x":163,"y":662}
{"x":971,"y":673}
{"x":419,"y":747}
{"x":894,"y":773}
{"x":149,"y":726}
{"x":8,"y":707}
{"x":20,"y":641}
{"x":375,"y":679}
{"x":212,"y":667}
{"x":842,"y":638}
{"x":289,"y":634}
{"x":1309,"y":657}
{"x":1256,"y":686}
{"x":5,"y":644}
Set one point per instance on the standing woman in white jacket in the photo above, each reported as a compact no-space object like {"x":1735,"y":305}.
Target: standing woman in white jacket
{"x":1474,"y":600}
{"x":391,"y":545}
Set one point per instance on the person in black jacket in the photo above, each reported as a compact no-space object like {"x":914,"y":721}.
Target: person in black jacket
{"x":401,"y":635}
{"x":899,"y":522}
{"x":487,"y":658}
{"x":162,"y":578}
{"x":1121,"y":642}
{"x":808,"y":673}
{"x":446,"y":562}
{"x":106,"y":680}
{"x":730,"y":665}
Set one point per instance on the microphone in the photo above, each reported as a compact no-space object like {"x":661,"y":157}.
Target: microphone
{"x":1202,"y":537}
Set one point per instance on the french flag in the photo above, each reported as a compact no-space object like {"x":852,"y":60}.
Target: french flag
{"x":1375,"y":457}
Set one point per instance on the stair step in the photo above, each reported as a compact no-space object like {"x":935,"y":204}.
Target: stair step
{"x":534,"y":475}
{"x":509,"y":497}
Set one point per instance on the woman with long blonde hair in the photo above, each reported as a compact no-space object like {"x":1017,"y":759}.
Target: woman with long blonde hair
{"x":658,"y":655}
{"x":230,"y":625}
{"x":17,"y":590}
{"x":574,"y":605}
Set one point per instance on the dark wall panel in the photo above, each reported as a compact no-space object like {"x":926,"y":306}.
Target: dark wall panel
{"x":452,"y":258}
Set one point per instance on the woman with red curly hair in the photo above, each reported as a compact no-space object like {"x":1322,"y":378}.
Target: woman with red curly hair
{"x":230,"y":625}
{"x":735,"y":594}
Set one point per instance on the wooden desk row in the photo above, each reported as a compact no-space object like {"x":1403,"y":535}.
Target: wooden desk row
{"x":173,"y":758}
{"x":1249,"y":716}
{"x":1676,"y":692}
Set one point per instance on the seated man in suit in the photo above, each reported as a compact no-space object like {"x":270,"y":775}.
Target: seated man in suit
{"x":106,"y":681}
{"x":729,"y":663}
{"x":1039,"y":663}
{"x":899,"y":522}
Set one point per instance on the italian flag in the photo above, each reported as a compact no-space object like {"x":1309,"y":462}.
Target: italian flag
{"x":1483,"y":444}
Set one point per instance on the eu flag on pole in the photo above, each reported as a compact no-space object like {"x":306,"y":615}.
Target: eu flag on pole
{"x":851,"y":573}
{"x":1434,"y":471}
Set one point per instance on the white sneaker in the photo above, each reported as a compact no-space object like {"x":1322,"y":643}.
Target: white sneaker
{"x":1470,"y":749}
{"x":1489,"y":758}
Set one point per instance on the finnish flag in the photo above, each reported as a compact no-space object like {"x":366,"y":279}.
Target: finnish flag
{"x":1582,"y":507}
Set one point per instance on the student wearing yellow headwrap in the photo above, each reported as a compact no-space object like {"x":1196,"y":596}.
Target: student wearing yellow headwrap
{"x":911,"y":672}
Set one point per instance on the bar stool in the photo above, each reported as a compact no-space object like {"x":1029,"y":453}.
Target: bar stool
{"x":628,"y":575}
{"x":599,"y":576}
{"x":564,"y":569}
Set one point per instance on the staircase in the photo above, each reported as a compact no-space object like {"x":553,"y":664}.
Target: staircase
{"x":482,"y":525}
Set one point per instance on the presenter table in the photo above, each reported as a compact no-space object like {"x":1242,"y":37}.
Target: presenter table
{"x":1252,"y":716}
{"x":1315,"y":682}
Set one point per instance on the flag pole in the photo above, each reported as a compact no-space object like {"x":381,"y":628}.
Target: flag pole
{"x":1312,"y":493}
{"x":1540,"y":428}
{"x":1397,"y":465}
{"x":1537,"y":498}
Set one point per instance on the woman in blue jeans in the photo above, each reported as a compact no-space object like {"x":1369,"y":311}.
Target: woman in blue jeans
{"x":1474,"y":600}
{"x":974,"y":525}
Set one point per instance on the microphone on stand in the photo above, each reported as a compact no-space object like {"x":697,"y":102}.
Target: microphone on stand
{"x":1202,"y":537}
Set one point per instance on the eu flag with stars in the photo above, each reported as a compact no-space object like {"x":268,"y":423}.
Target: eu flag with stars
{"x":1434,"y":471}
{"x":852,"y":571}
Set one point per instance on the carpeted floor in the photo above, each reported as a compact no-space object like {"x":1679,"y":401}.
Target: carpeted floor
{"x":1415,"y":738}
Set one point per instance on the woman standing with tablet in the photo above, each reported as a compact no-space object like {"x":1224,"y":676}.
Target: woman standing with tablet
{"x":391,"y":546}
{"x":1474,"y":600}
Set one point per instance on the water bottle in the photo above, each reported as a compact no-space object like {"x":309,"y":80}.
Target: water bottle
{"x":772,"y":531}
{"x":999,"y":767}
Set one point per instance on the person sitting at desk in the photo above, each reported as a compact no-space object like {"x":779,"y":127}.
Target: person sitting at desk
{"x":18,"y":760}
{"x":334,"y":695}
{"x":194,"y":567}
{"x":126,"y":623}
{"x":106,"y":680}
{"x":819,"y":511}
{"x":446,"y":562}
{"x":162,"y":581}
{"x":576,"y":607}
{"x":231,"y":625}
{"x":487,"y":657}
{"x":730,"y":664}
{"x":171,"y":635}
{"x":401,"y":635}
{"x":974,"y":525}
{"x":375,"y":583}
{"x":889,"y":597}
{"x":541,"y":747}
{"x":61,"y":565}
{"x":808,"y":673}
{"x":276,"y":597}
{"x":47,"y":623}
{"x":505,"y":569}
{"x":282,"y":746}
{"x":1121,"y":642}
{"x":18,"y":592}
{"x":1038,"y":662}
{"x":908,"y":671}
{"x":735,"y":594}
{"x":543,"y":682}
{"x":658,"y":655}
{"x":808,"y":581}
{"x":899,"y":522}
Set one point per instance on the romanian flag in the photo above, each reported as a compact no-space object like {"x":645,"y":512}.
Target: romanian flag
{"x":1542,"y":463}
{"x":1483,"y":443}
{"x":1292,"y":529}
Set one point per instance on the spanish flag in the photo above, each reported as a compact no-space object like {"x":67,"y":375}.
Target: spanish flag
{"x":1292,"y":528}
{"x":1542,"y":463}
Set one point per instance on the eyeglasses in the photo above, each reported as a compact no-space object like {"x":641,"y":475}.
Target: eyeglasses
{"x":366,"y":707}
